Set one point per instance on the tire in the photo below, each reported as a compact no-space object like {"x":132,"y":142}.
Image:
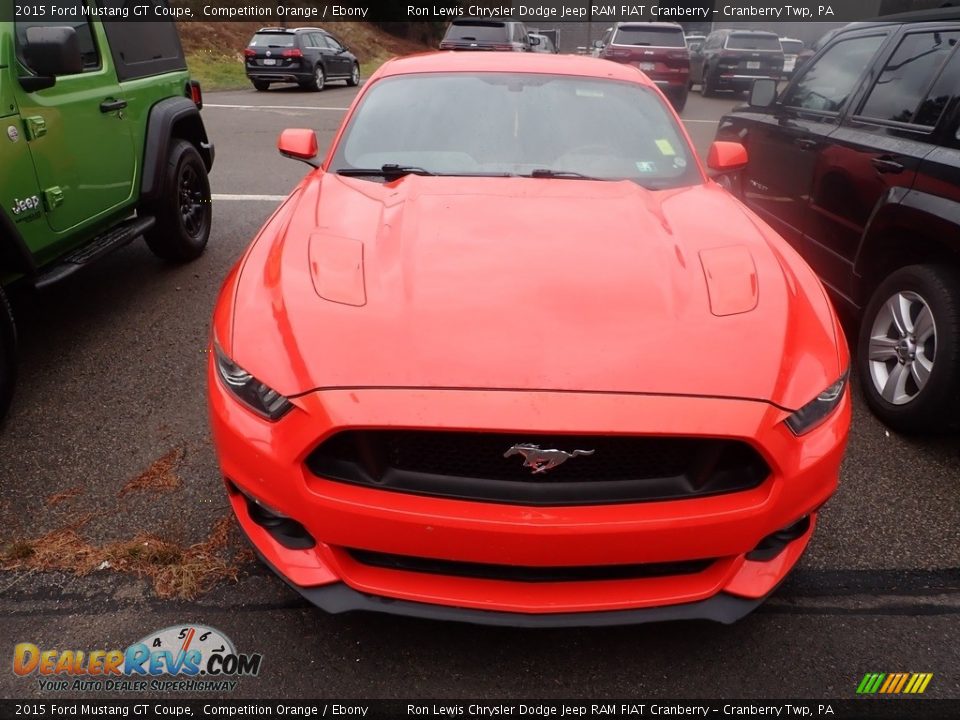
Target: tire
{"x":8,"y":354}
{"x":319,"y":79}
{"x":261,"y":85}
{"x":911,"y":379}
{"x":183,"y":213}
{"x":706,"y":85}
{"x":679,"y":101}
{"x":354,"y":78}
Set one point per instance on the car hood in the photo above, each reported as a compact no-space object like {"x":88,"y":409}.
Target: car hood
{"x":529,"y":284}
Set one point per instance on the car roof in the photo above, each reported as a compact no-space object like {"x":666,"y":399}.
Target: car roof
{"x":289,"y":30}
{"x":650,"y":24}
{"x":548,"y":64}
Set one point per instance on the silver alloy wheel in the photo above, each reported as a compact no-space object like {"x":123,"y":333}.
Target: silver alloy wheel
{"x":355,"y":76}
{"x":318,"y":77}
{"x":902,"y":347}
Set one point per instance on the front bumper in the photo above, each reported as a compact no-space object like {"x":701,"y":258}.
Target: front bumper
{"x":267,"y":461}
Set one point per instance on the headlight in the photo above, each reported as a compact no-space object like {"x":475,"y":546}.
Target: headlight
{"x":260,"y":398}
{"x":815,"y":411}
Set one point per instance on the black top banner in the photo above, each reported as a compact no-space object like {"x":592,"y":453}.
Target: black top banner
{"x":312,"y":12}
{"x":490,"y":709}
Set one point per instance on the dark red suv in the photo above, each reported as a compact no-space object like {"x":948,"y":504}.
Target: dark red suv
{"x":659,"y":49}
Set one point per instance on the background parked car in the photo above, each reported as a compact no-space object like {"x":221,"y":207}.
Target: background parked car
{"x":791,"y":51}
{"x":659,"y":49}
{"x":544,"y":44}
{"x":733,"y":59}
{"x":857,"y":163}
{"x":695,"y":41}
{"x":307,"y":56}
{"x":473,"y":34}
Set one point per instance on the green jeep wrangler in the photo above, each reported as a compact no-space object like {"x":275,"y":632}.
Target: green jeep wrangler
{"x":101,"y":141}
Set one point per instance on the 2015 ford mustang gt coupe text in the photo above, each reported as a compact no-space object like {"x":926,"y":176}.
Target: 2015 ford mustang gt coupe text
{"x":508,"y":356}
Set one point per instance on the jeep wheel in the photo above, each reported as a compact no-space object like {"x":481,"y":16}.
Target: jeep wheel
{"x":8,"y":353}
{"x":261,"y":85}
{"x":318,"y":80}
{"x":183,"y":213}
{"x":354,"y":78}
{"x":908,"y":352}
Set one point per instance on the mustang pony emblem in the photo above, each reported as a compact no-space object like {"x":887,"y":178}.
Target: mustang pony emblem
{"x":542,"y":460}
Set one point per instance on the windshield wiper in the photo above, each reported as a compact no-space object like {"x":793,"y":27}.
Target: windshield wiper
{"x":390,"y":171}
{"x":559,"y":174}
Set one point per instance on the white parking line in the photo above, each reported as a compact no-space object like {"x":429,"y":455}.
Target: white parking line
{"x":712,"y":122}
{"x":273,"y":107}
{"x":266,"y":198}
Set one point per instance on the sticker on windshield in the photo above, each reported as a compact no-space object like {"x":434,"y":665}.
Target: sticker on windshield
{"x":679,"y":162}
{"x":665,"y":147}
{"x":646,"y":166}
{"x":589,"y":92}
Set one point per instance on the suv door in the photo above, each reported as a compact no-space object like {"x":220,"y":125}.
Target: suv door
{"x":784,"y":144}
{"x":339,"y":62}
{"x":80,"y":118}
{"x":697,"y":58}
{"x":876,"y":152}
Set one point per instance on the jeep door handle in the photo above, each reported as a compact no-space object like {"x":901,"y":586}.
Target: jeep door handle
{"x":112,"y":105}
{"x":805,"y":143}
{"x":886,"y":164}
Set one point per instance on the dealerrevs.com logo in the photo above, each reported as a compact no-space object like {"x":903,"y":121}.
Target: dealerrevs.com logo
{"x":180,"y":658}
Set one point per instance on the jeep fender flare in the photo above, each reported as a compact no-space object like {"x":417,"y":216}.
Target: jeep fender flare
{"x":907,"y":226}
{"x":173,"y":117}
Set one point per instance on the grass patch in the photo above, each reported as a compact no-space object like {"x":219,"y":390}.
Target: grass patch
{"x":161,"y":476}
{"x":217,"y":71}
{"x":176,"y":572}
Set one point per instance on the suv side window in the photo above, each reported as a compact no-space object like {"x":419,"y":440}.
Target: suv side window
{"x":333,"y":43}
{"x":917,"y":61}
{"x":72,"y":8}
{"x":833,"y":77}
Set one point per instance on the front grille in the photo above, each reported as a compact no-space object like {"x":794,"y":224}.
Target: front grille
{"x":520,"y":573}
{"x":472,"y":466}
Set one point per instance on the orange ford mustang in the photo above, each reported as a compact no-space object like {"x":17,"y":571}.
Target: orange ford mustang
{"x":508,"y":356}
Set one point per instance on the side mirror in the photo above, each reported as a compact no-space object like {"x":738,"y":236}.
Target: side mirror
{"x":49,"y":52}
{"x":763,"y":93}
{"x":727,"y":156}
{"x":299,"y":144}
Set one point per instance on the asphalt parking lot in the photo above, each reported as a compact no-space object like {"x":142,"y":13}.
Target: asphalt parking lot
{"x":112,"y":385}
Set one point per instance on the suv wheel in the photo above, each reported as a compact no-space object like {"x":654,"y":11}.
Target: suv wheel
{"x":354,"y":79}
{"x":261,"y":85}
{"x":908,"y":352}
{"x":319,"y":79}
{"x":183,"y":213}
{"x":679,"y":101}
{"x":8,"y":351}
{"x":706,"y":85}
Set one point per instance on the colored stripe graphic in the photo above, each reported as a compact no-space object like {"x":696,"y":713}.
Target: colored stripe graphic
{"x":894,"y":683}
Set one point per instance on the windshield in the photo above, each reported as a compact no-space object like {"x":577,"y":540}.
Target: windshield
{"x":752,"y":41}
{"x":650,"y":36}
{"x":515,"y":124}
{"x":272,"y":40}
{"x":791,"y":46}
